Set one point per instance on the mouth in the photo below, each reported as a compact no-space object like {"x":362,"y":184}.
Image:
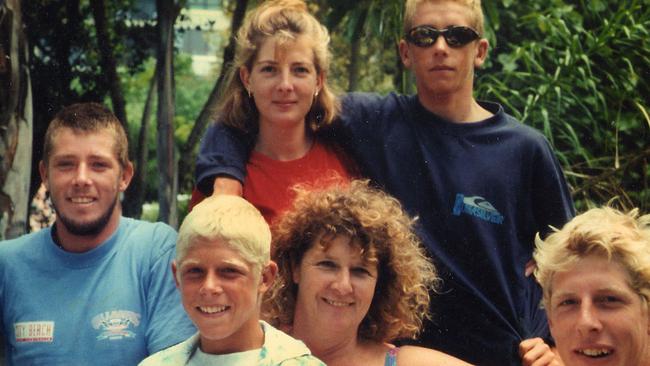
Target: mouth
{"x":442,"y":68}
{"x":595,"y":352}
{"x":338,"y":303}
{"x":81,"y":200}
{"x":212,"y":309}
{"x":284,"y":103}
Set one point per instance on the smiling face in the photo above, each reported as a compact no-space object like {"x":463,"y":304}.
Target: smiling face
{"x":595,"y":316}
{"x":221,"y":293}
{"x":440,"y":69}
{"x":84,"y":179}
{"x":283,"y":81}
{"x":336,"y":285}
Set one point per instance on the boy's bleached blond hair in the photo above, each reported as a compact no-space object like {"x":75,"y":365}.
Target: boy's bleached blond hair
{"x":231,"y":220}
{"x":605,"y":232}
{"x":474,"y":6}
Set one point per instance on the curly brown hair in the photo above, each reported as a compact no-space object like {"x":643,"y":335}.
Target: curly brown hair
{"x":384,"y":233}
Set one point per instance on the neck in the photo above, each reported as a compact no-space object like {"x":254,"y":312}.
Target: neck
{"x":74,"y":243}
{"x":284,"y":144}
{"x":457,"y":107}
{"x":334,"y":348}
{"x":248,"y":337}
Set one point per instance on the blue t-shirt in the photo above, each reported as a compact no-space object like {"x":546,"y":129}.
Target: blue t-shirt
{"x":112,"y":305}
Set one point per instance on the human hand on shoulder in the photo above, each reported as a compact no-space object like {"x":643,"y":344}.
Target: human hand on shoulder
{"x":535,"y":352}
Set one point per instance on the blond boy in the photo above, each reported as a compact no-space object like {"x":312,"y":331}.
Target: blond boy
{"x":222,"y":270}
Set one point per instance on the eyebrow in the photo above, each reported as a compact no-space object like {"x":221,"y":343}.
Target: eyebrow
{"x":600,"y":291}
{"x":233,"y":262}
{"x":296,"y":63}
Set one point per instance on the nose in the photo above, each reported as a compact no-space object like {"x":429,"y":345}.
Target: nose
{"x":440,"y":46}
{"x":588,"y":319}
{"x":285,"y":82}
{"x":342,"y":284}
{"x":211,"y":285}
{"x":82,"y":176}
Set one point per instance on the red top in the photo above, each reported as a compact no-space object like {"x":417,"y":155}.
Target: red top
{"x":268,"y":182}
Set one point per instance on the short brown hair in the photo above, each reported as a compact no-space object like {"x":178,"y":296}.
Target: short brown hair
{"x":88,"y":117}
{"x":384,"y":233}
{"x":285,"y":20}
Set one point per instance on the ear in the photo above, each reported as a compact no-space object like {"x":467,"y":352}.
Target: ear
{"x":127,"y":175}
{"x":549,"y":317}
{"x":42,"y":170}
{"x":320,"y":79}
{"x":295,"y":273}
{"x":174,"y":270}
{"x":404,"y":53}
{"x":481,"y":52}
{"x":244,"y":76}
{"x":647,"y":310}
{"x":269,"y":273}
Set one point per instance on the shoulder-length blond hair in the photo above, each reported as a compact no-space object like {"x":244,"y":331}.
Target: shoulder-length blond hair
{"x":284,"y":20}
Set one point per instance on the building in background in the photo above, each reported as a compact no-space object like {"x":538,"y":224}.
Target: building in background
{"x":202,"y":30}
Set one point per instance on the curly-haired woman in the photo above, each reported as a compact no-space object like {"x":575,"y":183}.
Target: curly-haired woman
{"x":352,"y":278}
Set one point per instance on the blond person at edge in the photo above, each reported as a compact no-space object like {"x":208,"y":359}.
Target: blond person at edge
{"x":595,"y":273}
{"x":93,"y":289}
{"x":482,"y":184}
{"x":277,"y":95}
{"x":352,"y":278}
{"x":222,"y":270}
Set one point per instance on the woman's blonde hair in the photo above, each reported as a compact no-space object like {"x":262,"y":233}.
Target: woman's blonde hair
{"x":283,"y":20}
{"x":383,"y":231}
{"x":606,"y":232}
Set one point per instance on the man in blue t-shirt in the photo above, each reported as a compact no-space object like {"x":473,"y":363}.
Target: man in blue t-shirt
{"x":482,"y":184}
{"x":95,"y":288}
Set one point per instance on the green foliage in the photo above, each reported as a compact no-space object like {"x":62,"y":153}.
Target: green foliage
{"x":191,"y":93}
{"x":64,"y":55}
{"x":579,"y":73}
{"x":381,"y":69}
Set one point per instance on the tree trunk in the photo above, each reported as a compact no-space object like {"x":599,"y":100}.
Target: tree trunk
{"x":355,"y":51}
{"x":109,"y":65}
{"x":15,"y":123}
{"x":168,"y":187}
{"x":134,"y":195}
{"x":206,"y":114}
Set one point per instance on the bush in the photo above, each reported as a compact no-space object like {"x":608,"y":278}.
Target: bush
{"x":579,"y":73}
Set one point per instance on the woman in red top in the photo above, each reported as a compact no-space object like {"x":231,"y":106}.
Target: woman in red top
{"x":277,"y":93}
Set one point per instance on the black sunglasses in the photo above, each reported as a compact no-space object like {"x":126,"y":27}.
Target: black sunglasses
{"x":455,"y":36}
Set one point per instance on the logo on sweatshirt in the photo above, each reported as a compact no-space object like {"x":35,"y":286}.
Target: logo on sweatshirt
{"x":116,"y":324}
{"x":477,"y":206}
{"x":38,"y":331}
